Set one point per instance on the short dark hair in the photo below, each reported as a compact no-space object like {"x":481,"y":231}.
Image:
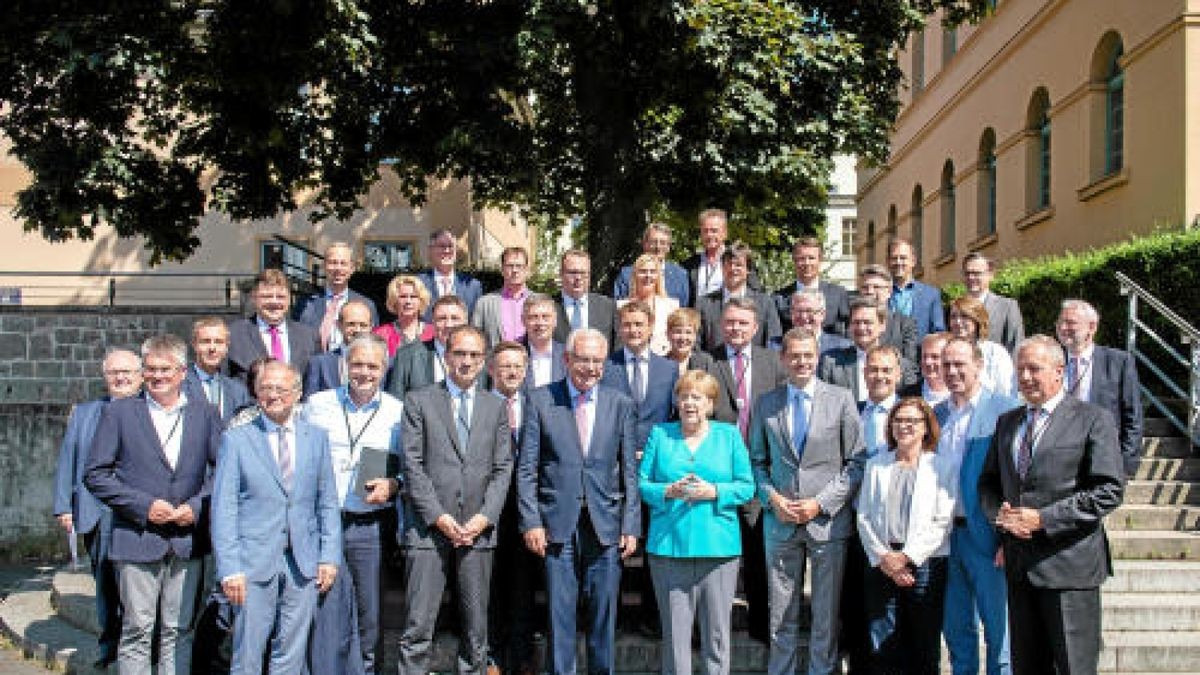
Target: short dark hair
{"x":932,"y":431}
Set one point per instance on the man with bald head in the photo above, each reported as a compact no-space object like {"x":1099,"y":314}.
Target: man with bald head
{"x":1052,"y":474}
{"x":78,"y":511}
{"x":320,"y":311}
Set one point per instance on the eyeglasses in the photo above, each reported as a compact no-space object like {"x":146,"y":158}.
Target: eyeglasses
{"x":272,"y":390}
{"x":122,"y":372}
{"x":907,"y":421}
{"x":159,"y":370}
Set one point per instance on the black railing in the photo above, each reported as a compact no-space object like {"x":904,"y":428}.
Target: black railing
{"x":121,"y":289}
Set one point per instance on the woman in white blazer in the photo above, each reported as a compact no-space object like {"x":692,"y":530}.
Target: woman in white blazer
{"x":905,"y":513}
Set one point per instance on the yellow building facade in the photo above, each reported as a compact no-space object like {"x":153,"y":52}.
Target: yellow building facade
{"x":1050,"y":126}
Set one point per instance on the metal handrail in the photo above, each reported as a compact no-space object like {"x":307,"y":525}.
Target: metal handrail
{"x":1189,"y":335}
{"x":227,"y":287}
{"x":314,"y":276}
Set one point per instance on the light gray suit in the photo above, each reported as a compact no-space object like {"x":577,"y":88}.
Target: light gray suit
{"x":828,"y":468}
{"x":487,"y":318}
{"x":1004,"y":318}
{"x":442,"y":477}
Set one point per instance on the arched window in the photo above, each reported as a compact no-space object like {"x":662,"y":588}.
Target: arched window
{"x":986,"y":195}
{"x":1037,"y":155}
{"x":916,"y":216}
{"x":1107,"y":107}
{"x":918,"y":61}
{"x":948,"y":208}
{"x":891,"y":221}
{"x":870,"y":244}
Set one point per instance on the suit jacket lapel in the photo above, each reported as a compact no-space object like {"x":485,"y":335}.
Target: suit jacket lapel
{"x":149,"y":431}
{"x":294,"y":345}
{"x":262,"y":448}
{"x":445,"y":408}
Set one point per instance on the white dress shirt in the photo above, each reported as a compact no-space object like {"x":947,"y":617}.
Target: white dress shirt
{"x":439,"y":361}
{"x":541,"y":364}
{"x":289,"y":430}
{"x":569,"y":304}
{"x":709,"y":276}
{"x":860,"y":372}
{"x":168,"y":424}
{"x":376,"y":424}
{"x":1082,"y":390}
{"x":1043,"y":420}
{"x":953,"y":443}
{"x":642,"y":364}
{"x":746,"y":357}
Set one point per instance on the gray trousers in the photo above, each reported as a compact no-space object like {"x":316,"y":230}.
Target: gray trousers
{"x":425,"y":574}
{"x":166,"y":593}
{"x":691,"y":588}
{"x":785,"y":589}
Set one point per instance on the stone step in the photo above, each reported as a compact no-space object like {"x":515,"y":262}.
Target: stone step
{"x":1154,"y":545}
{"x":1161,"y":492}
{"x":1147,"y":652}
{"x":1151,"y":611}
{"x":27,"y":618}
{"x":1151,"y":517}
{"x":73,"y":596}
{"x":1156,"y":468}
{"x":1154,"y":576}
{"x":1166,"y":446}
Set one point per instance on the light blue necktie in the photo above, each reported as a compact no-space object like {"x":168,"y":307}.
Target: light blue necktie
{"x":869,"y":429}
{"x":463,"y":419}
{"x":799,"y":422}
{"x":576,"y":315}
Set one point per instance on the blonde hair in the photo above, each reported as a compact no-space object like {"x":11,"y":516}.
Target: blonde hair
{"x":393,"y":292}
{"x":697,"y":380}
{"x":646,"y":260}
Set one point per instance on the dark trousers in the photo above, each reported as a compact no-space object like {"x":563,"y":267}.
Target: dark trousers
{"x":905,"y":624}
{"x":853,"y":632}
{"x":754,"y":580}
{"x":345,"y":637}
{"x":583,"y":568}
{"x":108,"y":599}
{"x":518,"y":576}
{"x":426,"y":572}
{"x":1053,"y":630}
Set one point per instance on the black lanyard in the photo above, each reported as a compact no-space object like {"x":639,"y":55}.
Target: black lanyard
{"x":354,"y":439}
{"x":174,"y":428}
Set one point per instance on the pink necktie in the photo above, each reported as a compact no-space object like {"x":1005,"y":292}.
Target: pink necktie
{"x":581,"y":421}
{"x":743,"y":401}
{"x":276,"y":344}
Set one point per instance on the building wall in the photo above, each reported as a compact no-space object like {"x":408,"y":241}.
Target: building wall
{"x":989,"y":83}
{"x":840,"y":264}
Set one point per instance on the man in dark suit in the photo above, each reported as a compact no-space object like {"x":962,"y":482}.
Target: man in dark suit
{"x":745,"y":372}
{"x":442,"y":280}
{"x":656,"y":241}
{"x":511,"y":621}
{"x":807,"y":310}
{"x":320,"y":311}
{"x":579,"y":502}
{"x":151,"y":462}
{"x":704,"y":268}
{"x":578,"y":308}
{"x":874,"y":281}
{"x":846,"y":366}
{"x":328,"y":370}
{"x":920,"y":302}
{"x":736,"y":263}
{"x":807,"y":456}
{"x":1102,"y":376}
{"x":419,"y":364}
{"x":78,"y":511}
{"x":545,"y":354}
{"x":277,"y":534}
{"x":270,"y":332}
{"x":204,"y":379}
{"x":1052,"y":473}
{"x":1005,"y":325}
{"x":806,"y":258}
{"x":458,"y":462}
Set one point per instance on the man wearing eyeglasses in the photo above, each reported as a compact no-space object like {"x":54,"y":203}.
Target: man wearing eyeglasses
{"x":78,"y":511}
{"x":577,"y":306}
{"x":442,"y":279}
{"x":151,"y":462}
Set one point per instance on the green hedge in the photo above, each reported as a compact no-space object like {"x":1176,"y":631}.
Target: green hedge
{"x":1166,"y":264}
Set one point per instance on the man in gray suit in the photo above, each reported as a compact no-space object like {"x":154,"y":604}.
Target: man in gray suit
{"x":419,"y":364}
{"x":807,"y":455}
{"x":498,"y":314}
{"x":458,"y":461}
{"x":1052,"y":473}
{"x":1004,"y":314}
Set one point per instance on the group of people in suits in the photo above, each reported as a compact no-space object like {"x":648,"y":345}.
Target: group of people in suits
{"x":513,"y":441}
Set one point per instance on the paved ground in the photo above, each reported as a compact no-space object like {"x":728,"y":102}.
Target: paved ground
{"x":11,"y":662}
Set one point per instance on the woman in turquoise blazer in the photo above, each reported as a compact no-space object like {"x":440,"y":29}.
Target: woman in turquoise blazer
{"x":693,"y":476}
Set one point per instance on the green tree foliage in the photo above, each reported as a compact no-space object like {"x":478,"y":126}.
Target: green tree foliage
{"x":145,"y":112}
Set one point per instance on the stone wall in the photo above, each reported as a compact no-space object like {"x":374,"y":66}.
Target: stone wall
{"x":50,"y":360}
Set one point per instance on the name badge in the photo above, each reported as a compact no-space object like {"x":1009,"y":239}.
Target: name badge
{"x":740,"y":403}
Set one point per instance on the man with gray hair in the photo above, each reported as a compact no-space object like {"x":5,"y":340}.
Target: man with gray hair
{"x":1102,"y":376}
{"x":656,"y":241}
{"x":328,"y":370}
{"x":151,"y":462}
{"x":78,"y":511}
{"x":806,"y":310}
{"x":1052,"y":474}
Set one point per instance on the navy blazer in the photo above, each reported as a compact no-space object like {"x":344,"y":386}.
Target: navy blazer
{"x":466,"y":287}
{"x":234,"y":395}
{"x":837,"y":306}
{"x":558,"y":366}
{"x":712,"y":306}
{"x":246,"y":346}
{"x":127,"y":470}
{"x":675,"y":279}
{"x":324,"y":372}
{"x":927,"y":311}
{"x":659,"y":404}
{"x":554,"y":479}
{"x":70,"y":494}
{"x":310,"y":309}
{"x":1115,"y":388}
{"x":692,"y":264}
